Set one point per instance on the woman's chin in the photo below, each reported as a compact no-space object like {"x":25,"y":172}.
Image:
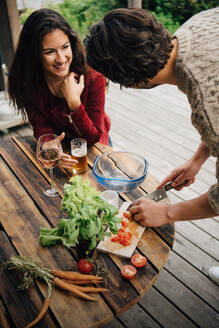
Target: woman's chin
{"x":60,"y":75}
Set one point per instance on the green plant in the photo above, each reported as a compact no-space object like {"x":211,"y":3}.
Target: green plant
{"x":182,"y":10}
{"x":167,"y":20}
{"x":82,"y":14}
{"x":24,"y":15}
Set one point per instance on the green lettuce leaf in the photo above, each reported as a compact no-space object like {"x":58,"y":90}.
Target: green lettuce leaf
{"x":89,"y":216}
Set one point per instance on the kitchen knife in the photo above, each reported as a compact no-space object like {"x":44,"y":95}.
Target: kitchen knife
{"x":160,"y":193}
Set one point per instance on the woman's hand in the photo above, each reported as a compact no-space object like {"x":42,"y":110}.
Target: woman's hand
{"x":182,"y":176}
{"x":71,"y":90}
{"x":148,"y":213}
{"x":66,"y":161}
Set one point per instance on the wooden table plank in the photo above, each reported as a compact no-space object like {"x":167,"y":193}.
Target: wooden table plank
{"x":20,"y":165}
{"x":144,"y":279}
{"x":122,"y":295}
{"x":4,"y":320}
{"x":23,"y":306}
{"x":154,"y":248}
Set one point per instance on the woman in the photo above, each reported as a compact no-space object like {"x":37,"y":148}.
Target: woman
{"x":50,"y":82}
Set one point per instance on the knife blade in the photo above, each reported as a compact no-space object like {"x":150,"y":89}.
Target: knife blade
{"x":160,"y":193}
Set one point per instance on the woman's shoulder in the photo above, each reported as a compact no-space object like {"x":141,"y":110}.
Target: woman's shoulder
{"x":93,"y":75}
{"x":95,"y":80}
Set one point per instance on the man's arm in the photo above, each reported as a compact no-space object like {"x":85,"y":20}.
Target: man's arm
{"x":152,"y":214}
{"x":184,"y":175}
{"x":194,"y":209}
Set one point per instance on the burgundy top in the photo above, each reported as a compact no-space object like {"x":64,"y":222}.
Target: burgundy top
{"x":50,"y":114}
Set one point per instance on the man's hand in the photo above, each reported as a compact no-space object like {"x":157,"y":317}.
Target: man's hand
{"x":152,"y":214}
{"x":148,"y":213}
{"x":182,"y":176}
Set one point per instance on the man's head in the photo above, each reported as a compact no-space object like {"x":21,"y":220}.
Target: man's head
{"x":128,"y":46}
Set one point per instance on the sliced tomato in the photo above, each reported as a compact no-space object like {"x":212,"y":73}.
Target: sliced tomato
{"x":85,"y":266}
{"x":138,"y":260}
{"x":125,"y":224}
{"x":115,"y":239}
{"x":121,"y":239}
{"x":127,"y":215}
{"x":122,"y":229}
{"x":128,"y":235}
{"x":126,"y":242}
{"x":120,"y":234}
{"x":128,"y":271}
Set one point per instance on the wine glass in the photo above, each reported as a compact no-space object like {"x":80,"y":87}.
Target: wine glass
{"x":49,"y":153}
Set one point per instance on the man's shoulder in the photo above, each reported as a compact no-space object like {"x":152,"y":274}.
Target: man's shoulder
{"x":202,"y":18}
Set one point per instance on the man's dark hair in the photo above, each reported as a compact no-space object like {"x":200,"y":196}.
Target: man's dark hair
{"x":26,"y":72}
{"x":128,"y":46}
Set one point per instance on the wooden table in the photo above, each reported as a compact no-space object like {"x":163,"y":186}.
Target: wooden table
{"x":24,"y":209}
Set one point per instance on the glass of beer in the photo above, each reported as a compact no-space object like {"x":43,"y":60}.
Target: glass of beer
{"x":79,"y":152}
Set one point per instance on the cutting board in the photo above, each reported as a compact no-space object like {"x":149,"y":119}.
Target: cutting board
{"x":107,"y":246}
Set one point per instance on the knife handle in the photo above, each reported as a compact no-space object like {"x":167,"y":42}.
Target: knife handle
{"x":168,"y":186}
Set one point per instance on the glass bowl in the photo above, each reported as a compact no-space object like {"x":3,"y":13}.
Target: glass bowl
{"x":120,"y":170}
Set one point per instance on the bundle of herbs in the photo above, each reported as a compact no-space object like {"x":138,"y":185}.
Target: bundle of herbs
{"x":89,"y":217}
{"x":69,"y":281}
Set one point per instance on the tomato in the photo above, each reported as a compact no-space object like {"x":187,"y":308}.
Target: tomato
{"x":123,"y":237}
{"x":115,"y":239}
{"x":85,"y":266}
{"x":138,"y":260}
{"x":128,"y":271}
{"x":128,"y":235}
{"x":120,"y":234}
{"x":126,"y":242}
{"x":127,"y":215}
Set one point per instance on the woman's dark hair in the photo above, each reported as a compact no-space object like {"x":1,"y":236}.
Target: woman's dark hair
{"x":26,"y":72}
{"x":128,"y":46}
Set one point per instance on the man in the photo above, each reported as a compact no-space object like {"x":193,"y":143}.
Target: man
{"x":131,"y":48}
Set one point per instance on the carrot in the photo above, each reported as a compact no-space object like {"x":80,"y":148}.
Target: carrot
{"x":89,"y":289}
{"x":41,"y":313}
{"x":80,"y":282}
{"x":69,"y":287}
{"x":73,"y":275}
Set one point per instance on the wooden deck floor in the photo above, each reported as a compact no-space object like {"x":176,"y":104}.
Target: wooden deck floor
{"x":156,"y":124}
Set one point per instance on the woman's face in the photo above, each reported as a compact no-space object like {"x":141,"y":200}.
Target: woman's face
{"x":56,"y":54}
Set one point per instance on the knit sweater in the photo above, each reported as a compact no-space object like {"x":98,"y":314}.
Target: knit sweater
{"x":197,"y":71}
